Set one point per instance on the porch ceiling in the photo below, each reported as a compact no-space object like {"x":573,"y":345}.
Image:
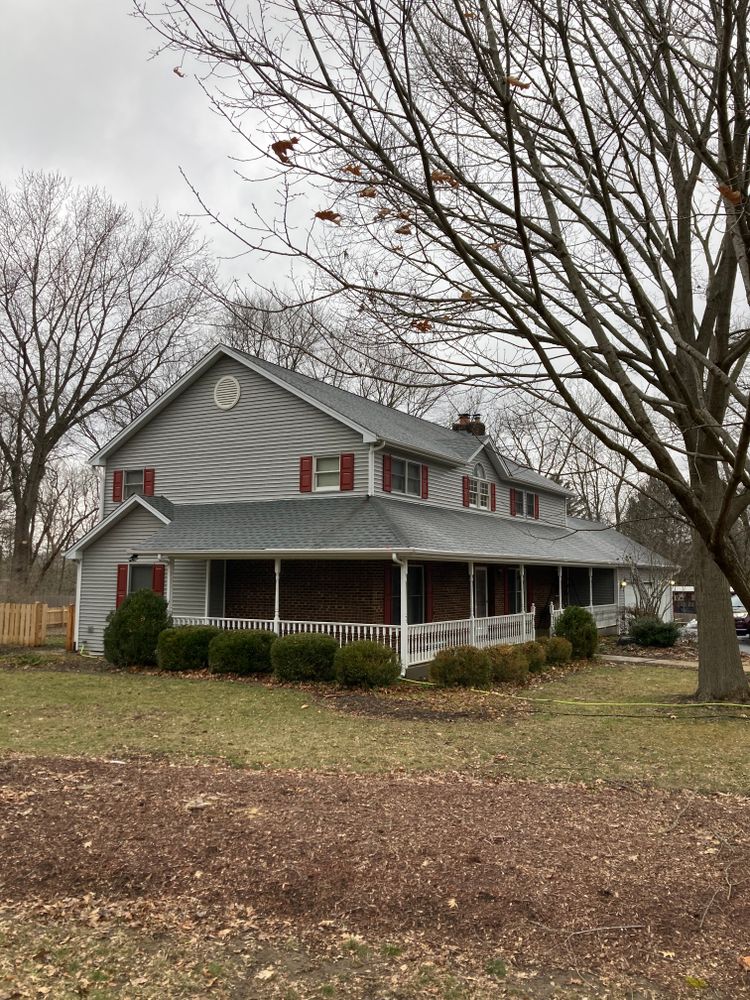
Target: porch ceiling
{"x":374,"y":527}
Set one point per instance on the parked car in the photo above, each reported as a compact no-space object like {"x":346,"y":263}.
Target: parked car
{"x":741,"y":617}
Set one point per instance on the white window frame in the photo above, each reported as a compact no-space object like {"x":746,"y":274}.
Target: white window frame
{"x":326,"y":472}
{"x":479,"y":489}
{"x":140,"y":565}
{"x":523,"y":499}
{"x":127,"y":490}
{"x":407,"y":464}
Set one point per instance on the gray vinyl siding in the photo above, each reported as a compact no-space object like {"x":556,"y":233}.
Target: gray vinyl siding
{"x":251,"y":452}
{"x":189,"y":587}
{"x":446,"y":487}
{"x":99,"y":573}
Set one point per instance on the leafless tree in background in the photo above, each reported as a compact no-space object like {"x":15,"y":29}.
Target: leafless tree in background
{"x":569,"y":180}
{"x":96,"y":305}
{"x":310,"y":339}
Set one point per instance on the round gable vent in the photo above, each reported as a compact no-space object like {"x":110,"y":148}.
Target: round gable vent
{"x":227,"y":392}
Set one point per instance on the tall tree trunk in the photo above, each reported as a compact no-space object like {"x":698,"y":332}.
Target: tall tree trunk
{"x":720,"y":673}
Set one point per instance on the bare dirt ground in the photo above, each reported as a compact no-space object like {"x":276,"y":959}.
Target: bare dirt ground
{"x":633,"y":885}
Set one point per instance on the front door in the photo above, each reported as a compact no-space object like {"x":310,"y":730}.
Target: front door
{"x":481,"y":593}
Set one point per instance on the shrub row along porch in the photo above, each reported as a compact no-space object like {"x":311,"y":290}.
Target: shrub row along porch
{"x":416,"y":607}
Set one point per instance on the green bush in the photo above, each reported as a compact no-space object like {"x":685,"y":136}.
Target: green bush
{"x":132,"y":630}
{"x":559,"y":650}
{"x":366,"y":664}
{"x":535,"y":655}
{"x":185,"y":648}
{"x":241,"y":652}
{"x":304,"y":657}
{"x":461,"y":666}
{"x":654,"y":632}
{"x":577,"y":625}
{"x":509,"y":664}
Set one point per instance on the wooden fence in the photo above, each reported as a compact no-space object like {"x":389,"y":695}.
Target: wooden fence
{"x":27,"y":624}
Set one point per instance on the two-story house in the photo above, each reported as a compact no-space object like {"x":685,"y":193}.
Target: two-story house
{"x":255,"y":497}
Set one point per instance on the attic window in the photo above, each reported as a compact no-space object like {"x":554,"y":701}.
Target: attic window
{"x":227,"y":392}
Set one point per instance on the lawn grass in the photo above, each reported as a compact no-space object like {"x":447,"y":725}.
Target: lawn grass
{"x":257,"y":726}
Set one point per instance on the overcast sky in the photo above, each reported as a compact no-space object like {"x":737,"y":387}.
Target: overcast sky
{"x":81,"y":96}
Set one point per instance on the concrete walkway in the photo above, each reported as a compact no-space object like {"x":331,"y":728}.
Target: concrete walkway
{"x":651,"y":660}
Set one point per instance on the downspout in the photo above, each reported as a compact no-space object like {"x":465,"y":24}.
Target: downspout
{"x":374,"y":446}
{"x":403,"y":564}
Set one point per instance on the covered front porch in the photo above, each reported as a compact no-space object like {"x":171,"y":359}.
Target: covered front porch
{"x":416,"y":606}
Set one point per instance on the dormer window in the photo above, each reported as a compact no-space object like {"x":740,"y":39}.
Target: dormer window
{"x":479,"y":488}
{"x":406,"y":477}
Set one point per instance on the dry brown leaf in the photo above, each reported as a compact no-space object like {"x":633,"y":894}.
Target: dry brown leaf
{"x":178,"y":71}
{"x":405,"y":213}
{"x":466,"y":295}
{"x":283,"y":147}
{"x":368,"y":192}
{"x":452,"y":904}
{"x":744,"y":962}
{"x":423,"y":325}
{"x":382,"y":213}
{"x":730,"y":194}
{"x":328,"y":215}
{"x":513,"y":81}
{"x":352,"y":168}
{"x":443,"y":177}
{"x":404,"y":230}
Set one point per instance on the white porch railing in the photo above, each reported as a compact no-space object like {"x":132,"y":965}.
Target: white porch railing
{"x":344,"y":632}
{"x":232,"y":624}
{"x":428,"y":638}
{"x":605,"y":615}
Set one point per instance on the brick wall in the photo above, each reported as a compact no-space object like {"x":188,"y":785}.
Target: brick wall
{"x":334,"y":590}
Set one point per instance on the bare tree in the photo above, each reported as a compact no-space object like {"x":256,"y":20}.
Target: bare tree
{"x":314,"y":341}
{"x":545,"y":436}
{"x":569,"y":180}
{"x":95,"y":304}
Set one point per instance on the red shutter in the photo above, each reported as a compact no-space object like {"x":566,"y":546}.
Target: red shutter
{"x":122,"y":584}
{"x":493,"y":497}
{"x":157,"y":578}
{"x":466,"y":491}
{"x":536,"y":506}
{"x":117,"y":485}
{"x":425,"y":485}
{"x":427,"y":590}
{"x":512,"y":502}
{"x":386,"y":473}
{"x":149,"y":480}
{"x":305,"y":473}
{"x":387,"y":595}
{"x":346,"y":471}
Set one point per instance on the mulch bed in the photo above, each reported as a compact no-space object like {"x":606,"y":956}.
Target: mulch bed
{"x":626,"y":882}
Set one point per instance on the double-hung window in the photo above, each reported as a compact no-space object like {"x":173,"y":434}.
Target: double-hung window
{"x":133,"y":483}
{"x":524,"y":503}
{"x":406,"y":477}
{"x":141,"y":577}
{"x":479,"y":488}
{"x":327,"y":475}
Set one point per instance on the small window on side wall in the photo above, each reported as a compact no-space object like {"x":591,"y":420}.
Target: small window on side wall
{"x":327,"y":473}
{"x":133,"y":484}
{"x":128,"y":483}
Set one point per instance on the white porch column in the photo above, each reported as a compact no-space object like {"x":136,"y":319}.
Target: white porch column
{"x":276,"y":596}
{"x":404,"y":616}
{"x":559,"y":588}
{"x":591,"y":587}
{"x":522,"y":574}
{"x":472,"y":625}
{"x":170,"y":584}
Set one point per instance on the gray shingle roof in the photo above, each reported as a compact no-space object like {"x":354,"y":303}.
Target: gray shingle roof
{"x":361,"y":524}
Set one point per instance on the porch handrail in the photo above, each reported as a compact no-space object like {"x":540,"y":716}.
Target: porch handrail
{"x":605,"y":615}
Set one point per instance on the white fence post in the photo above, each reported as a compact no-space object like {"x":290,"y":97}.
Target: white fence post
{"x":404,"y":581}
{"x":277,"y":596}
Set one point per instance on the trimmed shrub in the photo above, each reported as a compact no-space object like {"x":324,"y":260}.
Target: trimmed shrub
{"x":185,"y":648}
{"x":241,"y":652}
{"x":366,"y":664}
{"x":304,"y":657}
{"x":648,"y":631}
{"x":461,"y":666}
{"x":133,"y":629}
{"x":577,"y":625}
{"x":509,"y":664}
{"x":559,"y":650}
{"x":535,"y":656}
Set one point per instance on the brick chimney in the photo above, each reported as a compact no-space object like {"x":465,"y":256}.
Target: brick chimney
{"x":469,"y":424}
